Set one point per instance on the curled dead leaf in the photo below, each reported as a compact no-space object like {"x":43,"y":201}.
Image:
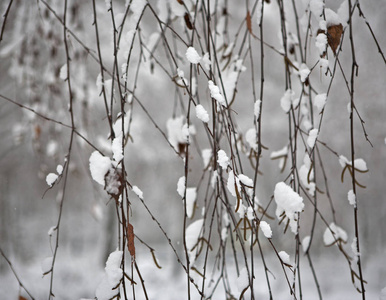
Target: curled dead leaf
{"x":130,"y":240}
{"x":334,"y":34}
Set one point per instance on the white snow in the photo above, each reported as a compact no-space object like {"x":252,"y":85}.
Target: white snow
{"x":279,"y":153}
{"x":215,"y":93}
{"x":206,"y":156}
{"x":250,"y":137}
{"x":206,"y":61}
{"x":177,"y":133}
{"x":360,"y":165}
{"x":51,"y":230}
{"x":284,"y":257}
{"x":343,"y":161}
{"x":312,"y":136}
{"x":46,"y":265}
{"x":316,"y":7}
{"x":343,"y":12}
{"x":113,"y":275}
{"x":51,"y":178}
{"x":245,"y":180}
{"x":232,"y":180}
{"x":222,"y":159}
{"x":304,"y":71}
{"x":332,"y":18}
{"x":192,"y":55}
{"x":59,"y":169}
{"x":289,"y":202}
{"x":137,"y":191}
{"x":306,"y":176}
{"x":224,"y":234}
{"x":321,"y":43}
{"x":306,"y":243}
{"x":202,"y":114}
{"x":287,"y":99}
{"x":63,"y":72}
{"x":116,"y":148}
{"x":256,"y":109}
{"x":99,"y":166}
{"x":192,"y":234}
{"x":181,"y":80}
{"x":354,"y":249}
{"x":181,"y":186}
{"x":334,"y":233}
{"x":266,"y":229}
{"x":243,"y":280}
{"x":250,"y":213}
{"x":320,"y":101}
{"x":191,"y":195}
{"x":214,"y":179}
{"x":352,"y":198}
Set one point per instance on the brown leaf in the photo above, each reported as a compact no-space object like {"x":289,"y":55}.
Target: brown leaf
{"x":187,"y":21}
{"x":249,"y":23}
{"x":130,"y":240}
{"x":334,"y":34}
{"x":180,"y":2}
{"x":22,"y":298}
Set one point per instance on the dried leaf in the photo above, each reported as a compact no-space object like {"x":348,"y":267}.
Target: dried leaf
{"x":180,"y":2}
{"x":130,"y":240}
{"x":249,"y":23}
{"x":334,"y":34}
{"x":187,"y":21}
{"x":22,"y":298}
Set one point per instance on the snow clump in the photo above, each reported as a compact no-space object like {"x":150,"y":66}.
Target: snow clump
{"x":266,"y":229}
{"x":288,"y":202}
{"x":202,"y":114}
{"x":192,"y":55}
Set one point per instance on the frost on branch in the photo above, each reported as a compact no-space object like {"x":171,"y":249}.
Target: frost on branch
{"x":289,"y":204}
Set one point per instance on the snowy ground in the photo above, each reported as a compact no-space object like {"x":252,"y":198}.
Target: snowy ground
{"x":79,"y":278}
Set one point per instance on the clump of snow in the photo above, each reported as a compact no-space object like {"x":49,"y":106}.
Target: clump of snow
{"x":243,"y":280}
{"x":287,"y":100}
{"x":192,"y":234}
{"x":206,"y":157}
{"x":178,"y":132}
{"x":360,"y":165}
{"x":202,"y":114}
{"x":192,"y":55}
{"x":117,"y":146}
{"x":137,"y":191}
{"x":181,"y":186}
{"x":99,"y":166}
{"x":352,"y":198}
{"x":281,"y":155}
{"x":191,"y":195}
{"x":284,"y":257}
{"x":306,"y":176}
{"x":306,"y":243}
{"x":343,"y":161}
{"x":222,"y":159}
{"x":266,"y":229}
{"x":215,"y":93}
{"x":46,"y":265}
{"x":343,"y":12}
{"x":113,"y":275}
{"x":206,"y":61}
{"x":245,"y":180}
{"x":334,"y":233}
{"x":288,"y":202}
{"x":224,"y":234}
{"x":304,"y":72}
{"x":331,"y":17}
{"x":354,"y":249}
{"x":59,"y":169}
{"x":181,"y":80}
{"x":312,"y":136}
{"x":320,"y":101}
{"x":321,"y":43}
{"x":316,"y":7}
{"x":256,"y":108}
{"x":232,"y":182}
{"x":63,"y":72}
{"x":51,"y":230}
{"x":51,"y":178}
{"x":214,"y":179}
{"x":250,"y":137}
